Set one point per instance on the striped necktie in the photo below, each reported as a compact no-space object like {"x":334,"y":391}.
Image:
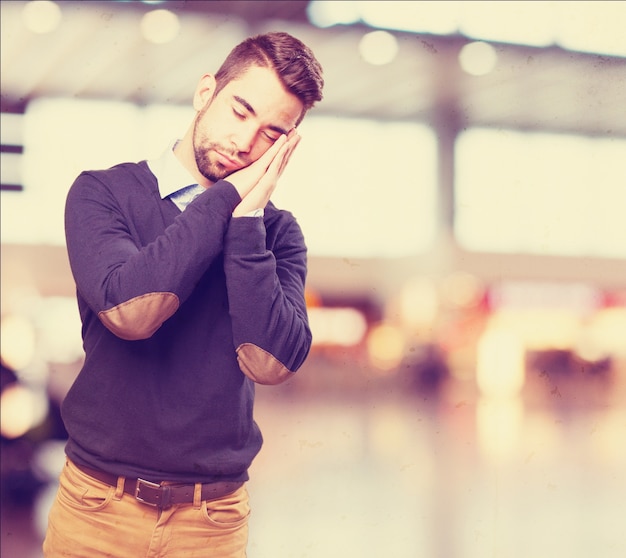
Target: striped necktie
{"x":183,"y":197}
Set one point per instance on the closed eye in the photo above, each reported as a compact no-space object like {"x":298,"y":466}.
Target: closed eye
{"x":271,"y":136}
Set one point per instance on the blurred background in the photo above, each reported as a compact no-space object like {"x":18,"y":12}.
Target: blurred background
{"x":462,"y":190}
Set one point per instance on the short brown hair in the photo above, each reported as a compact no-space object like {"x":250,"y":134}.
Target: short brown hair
{"x":294,"y":63}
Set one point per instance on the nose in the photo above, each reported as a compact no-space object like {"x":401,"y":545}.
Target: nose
{"x":243,"y":138}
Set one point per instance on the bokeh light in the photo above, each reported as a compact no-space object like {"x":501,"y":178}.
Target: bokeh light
{"x":18,"y":341}
{"x":21,"y":409}
{"x":478,"y":58}
{"x":41,"y":16}
{"x":385,"y":345}
{"x":160,"y":26}
{"x":378,"y":47}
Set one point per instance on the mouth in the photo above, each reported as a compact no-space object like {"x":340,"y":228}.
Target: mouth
{"x":227,"y":162}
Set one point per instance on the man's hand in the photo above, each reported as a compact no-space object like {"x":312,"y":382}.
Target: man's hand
{"x":257,"y":182}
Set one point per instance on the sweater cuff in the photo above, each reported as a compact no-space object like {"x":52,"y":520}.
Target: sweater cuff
{"x":225,"y":191}
{"x":245,"y":236}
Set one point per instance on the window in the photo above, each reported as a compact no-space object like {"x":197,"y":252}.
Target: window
{"x":540,"y":193}
{"x":362,"y":188}
{"x":359,"y":188}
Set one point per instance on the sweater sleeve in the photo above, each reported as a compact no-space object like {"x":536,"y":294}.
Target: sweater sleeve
{"x":133,"y":284}
{"x":266,"y":298}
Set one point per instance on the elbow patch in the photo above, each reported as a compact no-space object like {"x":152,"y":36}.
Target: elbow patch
{"x":260,"y":366}
{"x":139,"y":317}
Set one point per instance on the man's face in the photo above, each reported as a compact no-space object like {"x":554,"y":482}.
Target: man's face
{"x":236,"y":126}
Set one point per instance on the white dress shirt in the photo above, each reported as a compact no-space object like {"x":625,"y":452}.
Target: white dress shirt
{"x":177,"y":183}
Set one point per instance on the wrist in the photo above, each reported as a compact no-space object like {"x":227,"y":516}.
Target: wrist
{"x":254,"y":213}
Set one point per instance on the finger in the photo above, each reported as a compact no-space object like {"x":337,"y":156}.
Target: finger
{"x":275,"y":148}
{"x":245,"y":179}
{"x":269,"y":179}
{"x":278,"y":164}
{"x":265,"y":160}
{"x":290,"y":148}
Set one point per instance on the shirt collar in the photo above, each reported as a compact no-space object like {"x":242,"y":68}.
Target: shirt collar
{"x":171,"y":175}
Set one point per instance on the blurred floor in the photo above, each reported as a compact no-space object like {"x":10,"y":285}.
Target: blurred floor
{"x":398,"y":478}
{"x":395,"y":475}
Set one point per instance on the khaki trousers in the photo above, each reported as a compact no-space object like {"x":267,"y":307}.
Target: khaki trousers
{"x":90,"y":519}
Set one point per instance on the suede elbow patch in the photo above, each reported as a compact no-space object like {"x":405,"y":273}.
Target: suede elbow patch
{"x":260,"y":366}
{"x":139,"y":317}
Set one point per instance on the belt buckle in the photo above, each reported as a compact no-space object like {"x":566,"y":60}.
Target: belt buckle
{"x":140,"y":483}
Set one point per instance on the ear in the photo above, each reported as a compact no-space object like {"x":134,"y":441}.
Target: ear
{"x":204,"y":91}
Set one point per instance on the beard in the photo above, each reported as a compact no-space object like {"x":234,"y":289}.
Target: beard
{"x":211,"y":170}
{"x":204,"y":152}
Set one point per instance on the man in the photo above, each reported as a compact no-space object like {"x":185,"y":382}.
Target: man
{"x":184,"y":308}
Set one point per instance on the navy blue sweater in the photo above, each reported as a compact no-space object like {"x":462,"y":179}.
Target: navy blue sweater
{"x":182,"y":314}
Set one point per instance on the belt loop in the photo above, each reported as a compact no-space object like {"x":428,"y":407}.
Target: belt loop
{"x":119,"y":489}
{"x":197,"y":495}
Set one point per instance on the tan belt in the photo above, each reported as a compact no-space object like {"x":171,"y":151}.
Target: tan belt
{"x":163,"y":495}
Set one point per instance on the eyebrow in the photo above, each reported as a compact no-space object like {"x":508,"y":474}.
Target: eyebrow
{"x":249,"y":108}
